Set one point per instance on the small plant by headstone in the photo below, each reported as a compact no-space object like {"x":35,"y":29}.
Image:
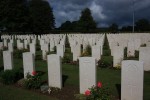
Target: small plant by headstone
{"x":98,"y":92}
{"x":33,"y":81}
{"x":87,"y":51}
{"x":11,"y":76}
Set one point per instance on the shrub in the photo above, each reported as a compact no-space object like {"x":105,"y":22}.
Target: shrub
{"x":143,"y":45}
{"x":11,"y":76}
{"x":87,"y":51}
{"x":38,"y":48}
{"x":117,"y":67}
{"x":136,"y":54}
{"x":107,"y":52}
{"x":1,"y":53}
{"x":18,"y":53}
{"x":33,"y":81}
{"x":98,"y":92}
{"x":103,"y":64}
{"x":66,"y":59}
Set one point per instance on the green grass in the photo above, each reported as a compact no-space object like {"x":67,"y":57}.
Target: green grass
{"x":109,"y":77}
{"x":13,"y":93}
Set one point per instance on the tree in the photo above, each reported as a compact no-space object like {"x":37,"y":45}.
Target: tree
{"x":69,"y":26}
{"x":66,"y":26}
{"x":41,"y":16}
{"x":142,"y":25}
{"x":13,"y":15}
{"x":126,"y":29}
{"x":113,"y":28}
{"x":86,"y":22}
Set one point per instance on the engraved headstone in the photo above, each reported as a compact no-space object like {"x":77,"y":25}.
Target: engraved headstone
{"x":118,"y":55}
{"x":87,"y":72}
{"x":144,"y":55}
{"x":132,"y":80}
{"x":8,"y":60}
{"x":60,"y":50}
{"x":1,"y":45}
{"x":28,"y":63}
{"x":10,"y":47}
{"x":54,"y":71}
{"x":96,"y":52}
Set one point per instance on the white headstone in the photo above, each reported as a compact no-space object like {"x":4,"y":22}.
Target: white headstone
{"x":26,"y":44}
{"x":8,"y":60}
{"x":5,"y":43}
{"x":144,"y":55}
{"x":1,"y":45}
{"x":32,"y":48}
{"x":132,"y":80}
{"x":60,"y":50}
{"x":96,"y":52}
{"x":54,"y":71}
{"x":10,"y":47}
{"x":28,"y":63}
{"x":118,"y":55}
{"x":87,"y":73}
{"x":76,"y":52}
{"x":131,"y":49}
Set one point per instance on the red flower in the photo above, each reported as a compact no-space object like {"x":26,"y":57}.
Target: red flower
{"x":87,"y":92}
{"x":99,"y":84}
{"x":34,"y":73}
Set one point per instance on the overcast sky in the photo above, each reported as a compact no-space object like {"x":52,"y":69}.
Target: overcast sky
{"x":104,"y":12}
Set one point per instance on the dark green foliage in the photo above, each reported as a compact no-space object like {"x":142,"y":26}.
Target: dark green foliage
{"x":143,"y":45}
{"x":11,"y":76}
{"x":86,"y":22}
{"x":106,"y":49}
{"x":67,"y":45}
{"x":136,"y":54}
{"x":18,"y":53}
{"x":33,"y":82}
{"x":13,"y":15}
{"x":26,"y":16}
{"x":66,"y":26}
{"x":131,"y":58}
{"x":41,"y":16}
{"x":88,"y":49}
{"x":67,"y":58}
{"x":113,"y":28}
{"x":107,"y":53}
{"x":99,"y":93}
{"x":142,"y":25}
{"x":126,"y":29}
{"x":104,"y":63}
{"x":125,"y":52}
{"x":38,"y":48}
{"x":38,"y":57}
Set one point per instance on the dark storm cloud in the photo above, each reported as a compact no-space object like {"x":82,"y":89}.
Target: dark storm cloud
{"x":105,"y":12}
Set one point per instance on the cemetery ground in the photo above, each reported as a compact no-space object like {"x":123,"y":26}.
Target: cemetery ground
{"x":109,"y":77}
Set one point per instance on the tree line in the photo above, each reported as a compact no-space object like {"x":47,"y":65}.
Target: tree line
{"x":36,"y":16}
{"x":26,"y":16}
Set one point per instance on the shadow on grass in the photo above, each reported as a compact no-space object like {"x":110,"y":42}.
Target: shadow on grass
{"x":118,"y":86}
{"x":41,"y":72}
{"x":1,"y":68}
{"x":64,"y":78}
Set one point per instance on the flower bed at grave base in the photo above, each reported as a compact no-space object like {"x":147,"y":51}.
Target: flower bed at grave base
{"x":66,"y":93}
{"x":33,"y":83}
{"x":98,"y":92}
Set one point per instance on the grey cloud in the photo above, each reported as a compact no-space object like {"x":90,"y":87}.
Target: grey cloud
{"x":104,"y":12}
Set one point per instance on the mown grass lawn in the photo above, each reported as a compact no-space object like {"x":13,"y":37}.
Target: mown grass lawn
{"x":12,"y":93}
{"x":109,"y":77}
